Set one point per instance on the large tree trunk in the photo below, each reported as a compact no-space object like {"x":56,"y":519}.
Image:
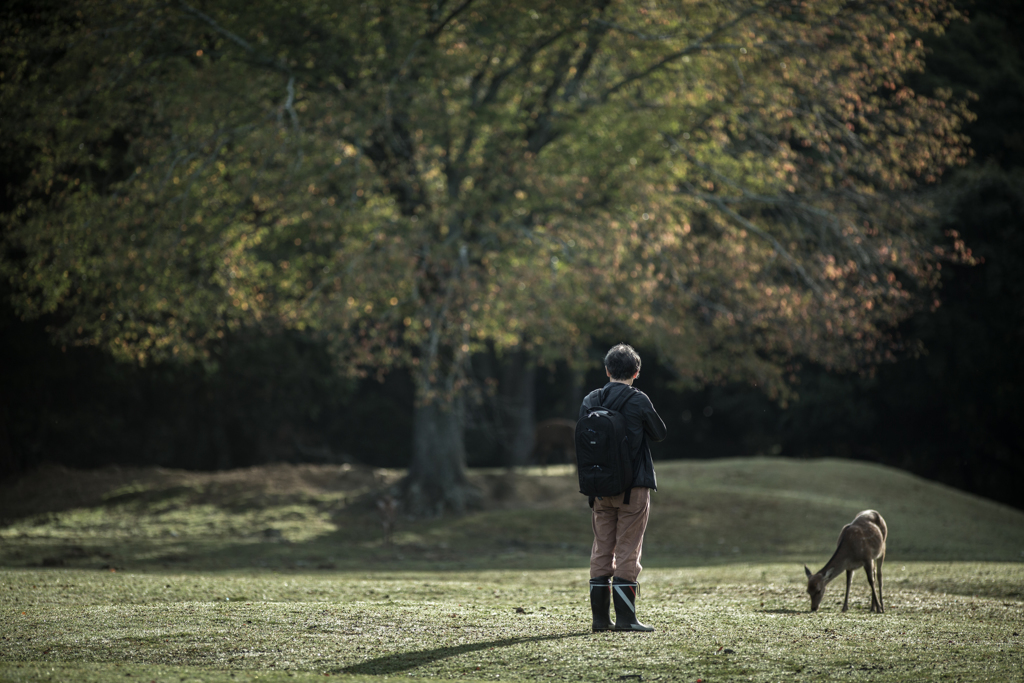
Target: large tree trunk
{"x":575,"y":393}
{"x":518,"y":407}
{"x":437,"y":481}
{"x":8,"y":467}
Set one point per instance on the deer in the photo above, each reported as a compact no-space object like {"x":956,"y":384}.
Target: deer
{"x":861,"y":544}
{"x":554,"y":441}
{"x":387,"y":507}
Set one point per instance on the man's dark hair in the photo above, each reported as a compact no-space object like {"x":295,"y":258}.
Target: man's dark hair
{"x":622,"y":362}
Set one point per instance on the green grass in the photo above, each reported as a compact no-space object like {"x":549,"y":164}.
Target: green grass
{"x":201,"y":591}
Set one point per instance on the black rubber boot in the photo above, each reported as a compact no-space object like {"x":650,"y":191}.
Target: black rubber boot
{"x":600,"y":601}
{"x":625,"y":593}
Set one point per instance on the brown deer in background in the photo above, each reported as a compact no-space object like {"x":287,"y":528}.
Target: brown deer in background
{"x":554,"y":442}
{"x":387,"y":507}
{"x":861,"y":544}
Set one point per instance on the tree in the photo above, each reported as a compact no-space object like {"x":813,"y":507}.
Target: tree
{"x":729,"y":182}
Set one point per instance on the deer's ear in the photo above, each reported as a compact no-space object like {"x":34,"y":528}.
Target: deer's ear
{"x":807,"y":571}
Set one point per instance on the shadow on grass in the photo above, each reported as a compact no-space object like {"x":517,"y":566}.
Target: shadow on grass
{"x":393,"y":664}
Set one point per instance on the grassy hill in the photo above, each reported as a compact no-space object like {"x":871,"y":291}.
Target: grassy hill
{"x":284,"y":516}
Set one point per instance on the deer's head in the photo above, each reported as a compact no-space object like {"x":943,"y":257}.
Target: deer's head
{"x":815,"y":588}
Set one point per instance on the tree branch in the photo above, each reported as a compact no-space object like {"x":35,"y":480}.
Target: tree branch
{"x":776,"y":245}
{"x":431,"y":35}
{"x":524,"y":59}
{"x":610,"y":25}
{"x":700,"y":44}
{"x":233,"y":37}
{"x":594,"y":36}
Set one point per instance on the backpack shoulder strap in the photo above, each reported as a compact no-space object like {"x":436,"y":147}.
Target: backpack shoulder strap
{"x":623,"y":399}
{"x":593,"y":400}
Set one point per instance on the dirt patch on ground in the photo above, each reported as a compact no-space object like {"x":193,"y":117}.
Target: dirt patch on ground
{"x":54,"y":488}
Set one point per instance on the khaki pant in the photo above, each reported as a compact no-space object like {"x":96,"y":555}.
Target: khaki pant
{"x":619,"y":534}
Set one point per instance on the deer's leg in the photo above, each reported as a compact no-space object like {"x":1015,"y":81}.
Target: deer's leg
{"x":846,"y":600}
{"x":878,"y":569}
{"x":869,"y":569}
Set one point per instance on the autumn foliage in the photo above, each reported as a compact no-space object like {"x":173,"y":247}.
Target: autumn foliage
{"x":731,"y":183}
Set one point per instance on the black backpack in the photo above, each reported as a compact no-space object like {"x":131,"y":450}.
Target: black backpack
{"x":603,"y":460}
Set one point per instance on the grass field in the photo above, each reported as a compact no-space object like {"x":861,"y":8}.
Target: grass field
{"x":283,"y":573}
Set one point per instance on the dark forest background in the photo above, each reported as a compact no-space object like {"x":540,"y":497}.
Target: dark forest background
{"x":947,"y":410}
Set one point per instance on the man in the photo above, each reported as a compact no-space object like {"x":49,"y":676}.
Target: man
{"x":619,"y":525}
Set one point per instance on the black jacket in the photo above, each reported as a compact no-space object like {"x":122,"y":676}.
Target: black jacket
{"x":642,"y":422}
